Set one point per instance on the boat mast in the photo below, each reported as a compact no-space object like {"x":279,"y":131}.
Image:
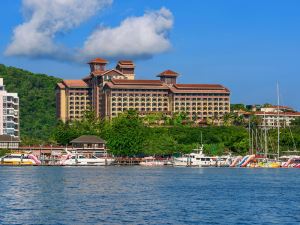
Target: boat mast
{"x":278,"y":123}
{"x":249,"y":128}
{"x":266,"y":140}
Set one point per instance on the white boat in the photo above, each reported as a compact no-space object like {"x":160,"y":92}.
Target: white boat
{"x":195,"y":159}
{"x":75,"y":159}
{"x":19,"y":159}
{"x":223,"y":161}
{"x":152,"y":162}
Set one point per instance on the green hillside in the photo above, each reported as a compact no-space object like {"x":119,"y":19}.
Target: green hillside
{"x":37,"y":102}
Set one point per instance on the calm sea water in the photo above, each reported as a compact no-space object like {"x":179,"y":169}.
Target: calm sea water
{"x":136,"y":195}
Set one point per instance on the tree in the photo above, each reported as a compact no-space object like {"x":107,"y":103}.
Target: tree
{"x":234,"y":107}
{"x":296,"y":122}
{"x":37,"y":102}
{"x":159,"y":142}
{"x":126,"y":135}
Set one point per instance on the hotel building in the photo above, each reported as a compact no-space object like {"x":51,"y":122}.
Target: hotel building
{"x":9,"y":118}
{"x":113,"y":91}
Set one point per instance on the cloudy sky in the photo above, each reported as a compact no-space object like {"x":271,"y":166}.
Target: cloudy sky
{"x":246,"y":45}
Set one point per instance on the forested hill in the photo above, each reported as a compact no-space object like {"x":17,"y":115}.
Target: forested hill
{"x":37,"y":101}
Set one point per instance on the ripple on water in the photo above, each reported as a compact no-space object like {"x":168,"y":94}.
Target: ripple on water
{"x":135,"y":195}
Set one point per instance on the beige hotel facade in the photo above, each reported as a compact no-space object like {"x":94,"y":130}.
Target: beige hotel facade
{"x":112,"y":91}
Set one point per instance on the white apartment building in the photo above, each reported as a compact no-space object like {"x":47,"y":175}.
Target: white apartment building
{"x":271,"y":115}
{"x":9,"y":113}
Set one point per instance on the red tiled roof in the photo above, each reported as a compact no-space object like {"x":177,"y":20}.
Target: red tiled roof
{"x":276,"y":107}
{"x":98,"y":60}
{"x":199,"y":86}
{"x":168,"y":73}
{"x":103,"y":72}
{"x":126,"y":62}
{"x":75,"y":83}
{"x":61,"y":85}
{"x":136,"y":82}
{"x":275,"y":113}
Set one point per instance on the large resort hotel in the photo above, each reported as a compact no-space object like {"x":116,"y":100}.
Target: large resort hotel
{"x":112,"y":91}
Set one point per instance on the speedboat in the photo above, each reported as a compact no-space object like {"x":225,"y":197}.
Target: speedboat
{"x":75,"y":159}
{"x":19,"y":159}
{"x":195,"y":159}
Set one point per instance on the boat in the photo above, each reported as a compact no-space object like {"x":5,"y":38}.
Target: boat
{"x":75,"y":159}
{"x":19,"y":159}
{"x":195,"y":159}
{"x":223,"y":161}
{"x":152,"y":162}
{"x":290,"y":161}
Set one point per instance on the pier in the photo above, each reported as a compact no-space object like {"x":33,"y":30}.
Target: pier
{"x":124,"y":161}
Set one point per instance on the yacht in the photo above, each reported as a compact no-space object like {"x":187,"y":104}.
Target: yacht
{"x":19,"y":159}
{"x":195,"y":159}
{"x":75,"y":159}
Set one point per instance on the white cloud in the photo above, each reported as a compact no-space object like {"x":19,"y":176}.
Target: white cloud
{"x":135,"y":37}
{"x":44,"y":20}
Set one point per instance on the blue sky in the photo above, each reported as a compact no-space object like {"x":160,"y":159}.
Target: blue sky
{"x":245,"y":45}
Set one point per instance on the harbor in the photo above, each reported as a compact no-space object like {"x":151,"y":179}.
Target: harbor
{"x":195,"y":159}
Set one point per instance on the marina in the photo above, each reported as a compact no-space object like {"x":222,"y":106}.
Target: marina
{"x":195,"y":159}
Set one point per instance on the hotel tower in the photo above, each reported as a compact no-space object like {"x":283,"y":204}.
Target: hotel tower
{"x":112,"y":91}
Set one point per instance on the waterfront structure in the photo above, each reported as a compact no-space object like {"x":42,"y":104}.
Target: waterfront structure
{"x":9,"y":113}
{"x":89,"y":145}
{"x":113,"y":91}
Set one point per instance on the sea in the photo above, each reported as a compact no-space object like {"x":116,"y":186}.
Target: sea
{"x":138,"y":195}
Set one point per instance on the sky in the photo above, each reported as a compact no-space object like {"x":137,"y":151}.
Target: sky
{"x":247,"y":46}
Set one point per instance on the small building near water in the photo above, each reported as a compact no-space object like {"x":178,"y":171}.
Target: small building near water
{"x":89,"y":145}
